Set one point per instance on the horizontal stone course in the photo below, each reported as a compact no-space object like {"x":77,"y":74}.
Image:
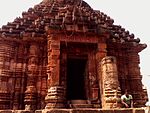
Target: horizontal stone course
{"x":6,"y":111}
{"x":123,"y":111}
{"x":23,"y":111}
{"x":86,"y":111}
{"x":139,"y":111}
{"x":81,"y":110}
{"x":90,"y":110}
{"x":54,"y":111}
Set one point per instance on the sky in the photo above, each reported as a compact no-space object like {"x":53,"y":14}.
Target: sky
{"x":130,"y":14}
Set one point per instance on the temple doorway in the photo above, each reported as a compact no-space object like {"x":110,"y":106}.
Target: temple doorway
{"x":76,"y":72}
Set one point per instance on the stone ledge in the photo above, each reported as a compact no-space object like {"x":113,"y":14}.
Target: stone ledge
{"x":23,"y":111}
{"x":91,"y":110}
{"x":6,"y":111}
{"x":80,"y":110}
{"x":16,"y":111}
{"x":138,"y":110}
{"x":53,"y":111}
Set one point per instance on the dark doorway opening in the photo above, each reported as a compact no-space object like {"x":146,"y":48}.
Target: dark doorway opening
{"x":76,"y":72}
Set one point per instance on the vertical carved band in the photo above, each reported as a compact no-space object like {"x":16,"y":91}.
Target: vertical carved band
{"x":55,"y":95}
{"x":31,"y":93}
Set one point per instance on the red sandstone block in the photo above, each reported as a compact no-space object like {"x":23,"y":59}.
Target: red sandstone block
{"x":52,"y":62}
{"x":53,"y":111}
{"x":23,"y":111}
{"x":108,"y":111}
{"x":54,"y":56}
{"x":55,"y":52}
{"x":86,"y":111}
{"x":6,"y":111}
{"x":126,"y":110}
{"x":138,"y":110}
{"x":55,"y":46}
{"x":38,"y":111}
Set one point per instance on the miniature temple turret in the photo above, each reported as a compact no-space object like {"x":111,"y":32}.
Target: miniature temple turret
{"x":64,"y":54}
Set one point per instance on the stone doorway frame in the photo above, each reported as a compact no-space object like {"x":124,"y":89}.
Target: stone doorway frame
{"x":79,"y":54}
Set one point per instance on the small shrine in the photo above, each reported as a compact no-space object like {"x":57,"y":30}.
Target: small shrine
{"x":64,"y":54}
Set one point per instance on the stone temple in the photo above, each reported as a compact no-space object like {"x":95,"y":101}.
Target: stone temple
{"x":64,"y":54}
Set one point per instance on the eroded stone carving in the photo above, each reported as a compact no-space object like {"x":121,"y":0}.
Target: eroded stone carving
{"x":110,"y":83}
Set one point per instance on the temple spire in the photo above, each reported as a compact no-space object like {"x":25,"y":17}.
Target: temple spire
{"x":52,"y":0}
{"x":66,"y":1}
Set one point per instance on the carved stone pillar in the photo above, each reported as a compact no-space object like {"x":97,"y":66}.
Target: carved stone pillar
{"x":55,"y":95}
{"x":63,"y":71}
{"x":110,"y":84}
{"x":93,"y":93}
{"x":101,"y":53}
{"x":31,"y":92}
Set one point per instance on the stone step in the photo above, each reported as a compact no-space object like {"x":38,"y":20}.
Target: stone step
{"x":81,"y":106}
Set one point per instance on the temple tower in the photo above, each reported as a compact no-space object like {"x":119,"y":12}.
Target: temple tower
{"x":64,"y":54}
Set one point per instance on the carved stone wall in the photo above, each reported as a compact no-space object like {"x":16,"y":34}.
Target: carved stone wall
{"x":135,"y":78}
{"x":128,"y":70}
{"x":15,"y":67}
{"x":18,"y":71}
{"x":6,"y":54}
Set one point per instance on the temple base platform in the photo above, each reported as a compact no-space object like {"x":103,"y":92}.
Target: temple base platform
{"x":82,"y":110}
